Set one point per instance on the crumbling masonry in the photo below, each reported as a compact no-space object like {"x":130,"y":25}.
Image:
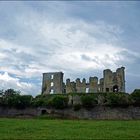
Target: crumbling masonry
{"x":111,"y":82}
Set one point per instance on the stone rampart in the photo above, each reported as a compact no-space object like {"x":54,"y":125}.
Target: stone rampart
{"x":98,"y":112}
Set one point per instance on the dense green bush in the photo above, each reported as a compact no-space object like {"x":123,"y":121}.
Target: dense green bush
{"x":39,"y":102}
{"x":112,"y":99}
{"x":24,"y":101}
{"x":56,"y":101}
{"x":135,"y":96}
{"x":88,"y":101}
{"x":118,"y":99}
{"x":12,"y":101}
{"x":59,"y":101}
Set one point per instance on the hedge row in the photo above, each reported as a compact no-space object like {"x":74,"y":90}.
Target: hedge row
{"x":12,"y":98}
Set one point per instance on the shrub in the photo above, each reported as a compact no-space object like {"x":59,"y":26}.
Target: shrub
{"x":39,"y":102}
{"x":124,"y":100}
{"x":88,"y":101}
{"x":24,"y":101}
{"x":135,"y":96}
{"x":59,"y":102}
{"x":118,"y":99}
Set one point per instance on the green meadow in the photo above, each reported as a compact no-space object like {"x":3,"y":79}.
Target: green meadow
{"x":33,"y":129}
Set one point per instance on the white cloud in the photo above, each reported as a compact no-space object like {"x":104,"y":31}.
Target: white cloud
{"x":8,"y":81}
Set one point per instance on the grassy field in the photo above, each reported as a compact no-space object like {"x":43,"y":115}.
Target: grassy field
{"x":34,"y":129}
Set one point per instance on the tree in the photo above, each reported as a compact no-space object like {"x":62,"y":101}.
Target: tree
{"x":1,"y":92}
{"x":136,"y":97}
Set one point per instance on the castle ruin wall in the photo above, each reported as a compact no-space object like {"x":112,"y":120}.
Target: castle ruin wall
{"x":111,"y":82}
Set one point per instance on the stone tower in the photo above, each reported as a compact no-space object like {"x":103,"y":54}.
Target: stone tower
{"x":52,"y":83}
{"x":121,"y":79}
{"x":114,"y":81}
{"x":70,"y":86}
{"x":93,"y":84}
{"x":80,"y":86}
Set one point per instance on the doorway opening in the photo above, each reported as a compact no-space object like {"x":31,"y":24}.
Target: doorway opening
{"x":115,"y":88}
{"x":107,"y":89}
{"x":43,"y":112}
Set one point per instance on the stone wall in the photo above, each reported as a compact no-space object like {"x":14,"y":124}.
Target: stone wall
{"x":101,"y":113}
{"x":12,"y":112}
{"x":98,"y":112}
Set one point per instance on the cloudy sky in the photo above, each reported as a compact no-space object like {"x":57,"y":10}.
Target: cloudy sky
{"x":80,"y":38}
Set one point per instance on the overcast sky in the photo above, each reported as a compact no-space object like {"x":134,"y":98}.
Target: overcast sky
{"x":80,"y":38}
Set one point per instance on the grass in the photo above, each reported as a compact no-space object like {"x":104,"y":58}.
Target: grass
{"x":33,"y":129}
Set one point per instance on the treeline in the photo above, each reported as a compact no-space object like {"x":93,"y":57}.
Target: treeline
{"x":14,"y":99}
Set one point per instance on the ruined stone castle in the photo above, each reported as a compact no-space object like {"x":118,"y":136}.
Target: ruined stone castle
{"x":111,"y":82}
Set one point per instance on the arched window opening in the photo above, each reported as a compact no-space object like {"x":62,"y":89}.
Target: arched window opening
{"x":43,"y":112}
{"x":115,"y":88}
